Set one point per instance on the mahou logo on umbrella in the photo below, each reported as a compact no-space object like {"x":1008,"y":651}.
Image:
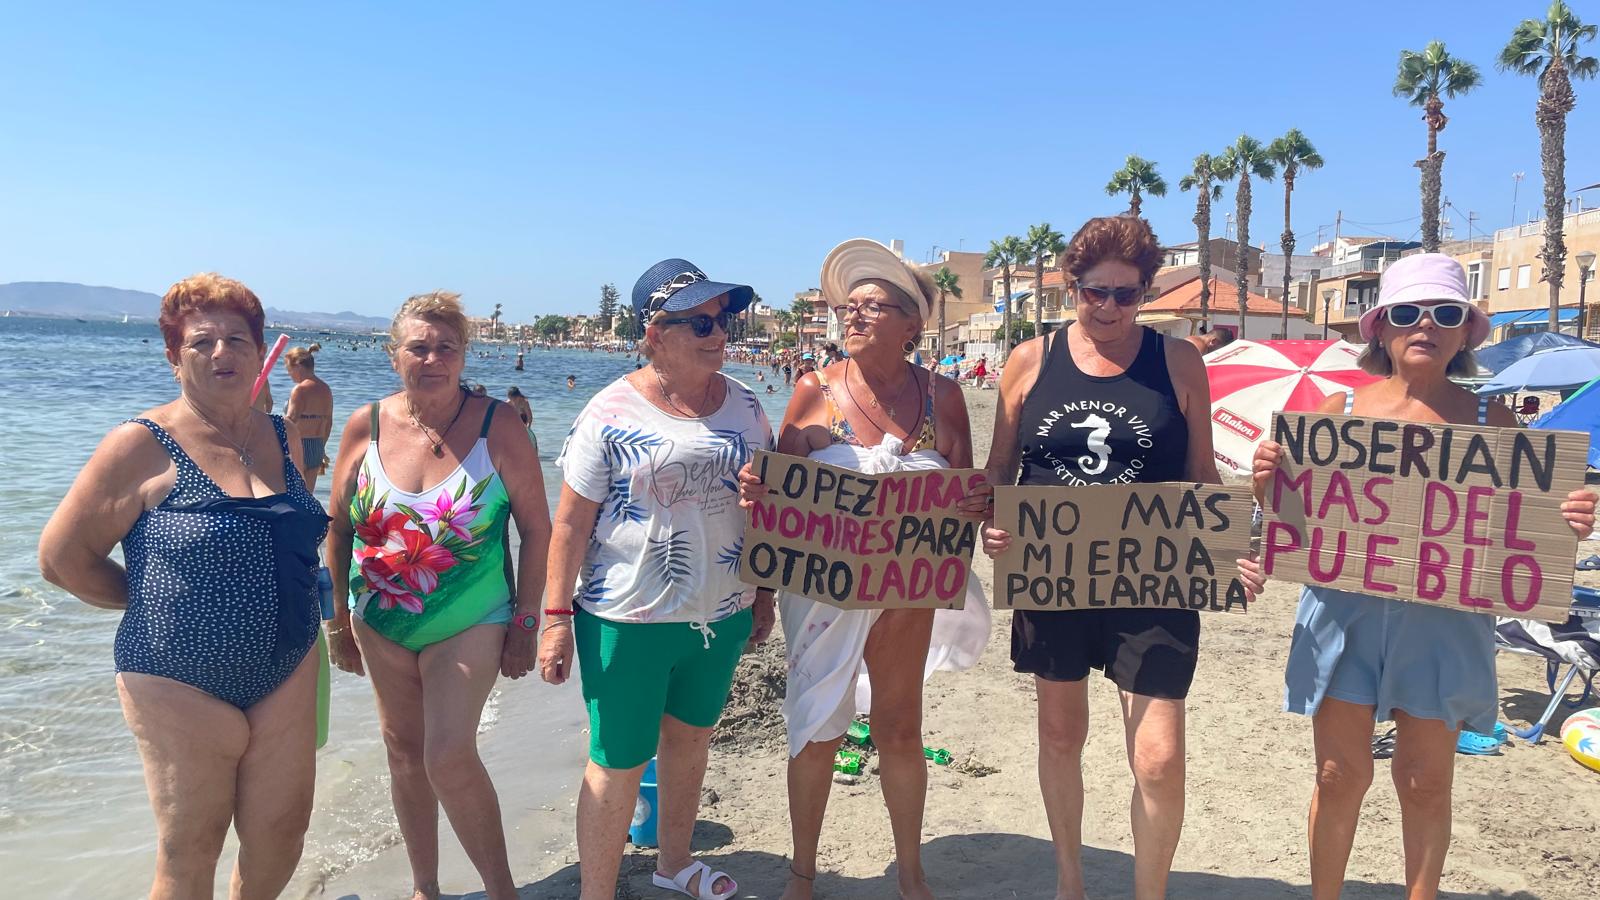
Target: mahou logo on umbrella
{"x":1251,"y":380}
{"x":1236,"y":423}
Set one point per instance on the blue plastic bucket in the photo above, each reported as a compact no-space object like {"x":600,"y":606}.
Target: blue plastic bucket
{"x":642,"y":833}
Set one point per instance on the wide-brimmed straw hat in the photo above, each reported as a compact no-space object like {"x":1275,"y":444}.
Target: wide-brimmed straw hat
{"x":1421,"y":278}
{"x":860,"y":259}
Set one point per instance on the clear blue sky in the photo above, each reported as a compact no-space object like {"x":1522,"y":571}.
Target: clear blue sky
{"x":526,"y":153}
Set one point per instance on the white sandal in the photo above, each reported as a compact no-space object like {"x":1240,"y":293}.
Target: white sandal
{"x":708,"y":878}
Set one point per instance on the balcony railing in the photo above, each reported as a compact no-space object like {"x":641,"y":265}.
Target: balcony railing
{"x":1352,"y":267}
{"x":1533,"y":228}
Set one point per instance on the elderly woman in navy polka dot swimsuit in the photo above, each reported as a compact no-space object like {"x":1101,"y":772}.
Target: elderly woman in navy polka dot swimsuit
{"x":219,"y":598}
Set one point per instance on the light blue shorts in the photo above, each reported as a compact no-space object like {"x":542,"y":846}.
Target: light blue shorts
{"x":1389,"y":654}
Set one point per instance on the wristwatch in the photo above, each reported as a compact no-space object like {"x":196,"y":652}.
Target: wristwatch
{"x":528,"y":622}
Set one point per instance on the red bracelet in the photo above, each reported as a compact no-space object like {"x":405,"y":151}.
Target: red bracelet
{"x":559,"y":612}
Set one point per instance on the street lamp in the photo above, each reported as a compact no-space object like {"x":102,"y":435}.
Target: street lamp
{"x":1585,"y":268}
{"x":1327,"y":301}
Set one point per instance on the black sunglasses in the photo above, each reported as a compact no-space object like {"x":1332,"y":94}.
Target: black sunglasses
{"x":1125,"y":296}
{"x":701,"y":324}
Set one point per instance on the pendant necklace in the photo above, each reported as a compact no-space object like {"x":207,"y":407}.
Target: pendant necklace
{"x":873,"y":399}
{"x":243,"y":450}
{"x":438,"y":444}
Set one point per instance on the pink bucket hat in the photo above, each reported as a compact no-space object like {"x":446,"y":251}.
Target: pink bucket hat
{"x":1420,"y":278}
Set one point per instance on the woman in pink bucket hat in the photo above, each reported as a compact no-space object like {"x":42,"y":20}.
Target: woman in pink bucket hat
{"x":1357,"y":658}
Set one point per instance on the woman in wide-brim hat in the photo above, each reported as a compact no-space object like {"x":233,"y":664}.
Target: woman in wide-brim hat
{"x":643,"y":581}
{"x":874,"y":412}
{"x":1356,"y":658}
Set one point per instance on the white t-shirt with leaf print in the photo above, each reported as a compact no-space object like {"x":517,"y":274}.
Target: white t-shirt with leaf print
{"x":667,"y":543}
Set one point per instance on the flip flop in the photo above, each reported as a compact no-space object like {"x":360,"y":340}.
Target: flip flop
{"x":1472,"y":743}
{"x":1383,"y":745}
{"x":708,"y":878}
{"x":1591,"y":564}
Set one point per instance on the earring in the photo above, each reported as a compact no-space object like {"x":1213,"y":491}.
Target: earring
{"x":910,"y":346}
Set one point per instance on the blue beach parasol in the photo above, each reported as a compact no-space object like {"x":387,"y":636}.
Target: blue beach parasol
{"x":1556,"y":369}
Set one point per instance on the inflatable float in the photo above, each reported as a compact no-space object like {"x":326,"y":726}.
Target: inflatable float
{"x":1581,"y":734}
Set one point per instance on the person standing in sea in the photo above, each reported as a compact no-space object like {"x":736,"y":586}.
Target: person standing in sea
{"x":1151,"y":423}
{"x":218,"y":598}
{"x":310,"y":408}
{"x":427,"y":483}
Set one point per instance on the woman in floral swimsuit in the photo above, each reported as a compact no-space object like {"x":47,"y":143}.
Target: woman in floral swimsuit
{"x":429,"y":480}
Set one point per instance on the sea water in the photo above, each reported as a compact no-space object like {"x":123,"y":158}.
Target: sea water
{"x":74,"y":816}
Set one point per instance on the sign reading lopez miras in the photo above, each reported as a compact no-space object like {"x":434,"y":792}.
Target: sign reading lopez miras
{"x":861,"y":541}
{"x":1458,"y":516}
{"x":1148,"y":546}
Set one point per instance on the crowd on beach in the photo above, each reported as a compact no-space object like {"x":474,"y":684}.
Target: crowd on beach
{"x":633,"y":584}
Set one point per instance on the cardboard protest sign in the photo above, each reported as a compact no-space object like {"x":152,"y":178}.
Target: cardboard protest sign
{"x":1456,"y":516}
{"x":1147,"y":546}
{"x":860,"y":541}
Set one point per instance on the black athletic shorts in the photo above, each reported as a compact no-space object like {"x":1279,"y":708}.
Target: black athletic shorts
{"x":1144,"y":651}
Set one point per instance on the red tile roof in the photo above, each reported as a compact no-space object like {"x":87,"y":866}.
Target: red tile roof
{"x":1224,"y":296}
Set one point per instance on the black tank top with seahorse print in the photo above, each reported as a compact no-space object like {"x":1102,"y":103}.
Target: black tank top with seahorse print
{"x":1078,"y":429}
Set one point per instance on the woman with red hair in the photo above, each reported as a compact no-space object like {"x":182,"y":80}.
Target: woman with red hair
{"x":218,"y":598}
{"x":1138,"y":411}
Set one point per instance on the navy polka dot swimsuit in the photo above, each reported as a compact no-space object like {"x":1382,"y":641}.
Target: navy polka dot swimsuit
{"x":222,"y":590}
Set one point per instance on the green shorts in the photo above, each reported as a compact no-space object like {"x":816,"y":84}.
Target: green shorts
{"x":634,"y":673}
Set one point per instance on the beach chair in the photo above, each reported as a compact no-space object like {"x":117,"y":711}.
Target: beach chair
{"x":1528,"y":411}
{"x":1574,"y":644}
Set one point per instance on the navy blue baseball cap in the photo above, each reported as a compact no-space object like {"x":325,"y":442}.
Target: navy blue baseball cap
{"x":677,"y":284}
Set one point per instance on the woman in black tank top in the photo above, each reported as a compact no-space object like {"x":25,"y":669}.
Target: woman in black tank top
{"x":1078,"y":429}
{"x":1107,"y":401}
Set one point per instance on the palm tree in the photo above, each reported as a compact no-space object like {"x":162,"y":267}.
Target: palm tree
{"x":1007,"y":252}
{"x":494,"y":323}
{"x":1043,"y":241}
{"x":1135,"y":177}
{"x":1200,"y":181}
{"x":1246,"y":157}
{"x":1291,"y":153}
{"x":1549,"y":49}
{"x":948,"y":282}
{"x":800,"y":312}
{"x":1423,"y":79}
{"x":750,"y":314}
{"x":784,"y":318}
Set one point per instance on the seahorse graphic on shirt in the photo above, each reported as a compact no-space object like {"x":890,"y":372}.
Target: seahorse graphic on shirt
{"x":1094,"y":465}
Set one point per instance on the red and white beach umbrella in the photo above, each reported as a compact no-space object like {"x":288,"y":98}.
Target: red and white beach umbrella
{"x":1251,"y":380}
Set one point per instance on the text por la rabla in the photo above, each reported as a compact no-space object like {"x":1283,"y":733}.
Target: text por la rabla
{"x":1171,"y":546}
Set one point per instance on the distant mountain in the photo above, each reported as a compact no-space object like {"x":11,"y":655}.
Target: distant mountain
{"x":339,"y":321}
{"x":60,"y":298}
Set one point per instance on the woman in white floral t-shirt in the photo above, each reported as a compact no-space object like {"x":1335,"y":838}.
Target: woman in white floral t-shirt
{"x":646,"y":544}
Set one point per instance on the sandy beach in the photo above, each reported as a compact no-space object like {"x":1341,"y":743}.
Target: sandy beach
{"x":1526,"y":823}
